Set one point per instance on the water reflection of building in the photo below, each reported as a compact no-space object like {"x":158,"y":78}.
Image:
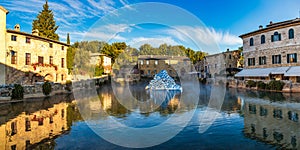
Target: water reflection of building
{"x":275,"y":123}
{"x":25,"y":130}
{"x":108,"y":103}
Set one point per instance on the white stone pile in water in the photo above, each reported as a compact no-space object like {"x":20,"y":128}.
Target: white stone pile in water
{"x":162,"y":81}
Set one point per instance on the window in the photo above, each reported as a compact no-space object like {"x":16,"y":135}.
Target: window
{"x":292,"y":58}
{"x":277,"y":113}
{"x":156,"y":62}
{"x":51,"y":120}
{"x":27,"y":125}
{"x":13,"y":57}
{"x":251,"y":61}
{"x":276,"y":37}
{"x":27,"y":40}
{"x":40,"y":60}
{"x":51,"y":45}
{"x":265,"y":135}
{"x":62,"y":113}
{"x":13,"y":147}
{"x":229,"y":56}
{"x":62,"y":77}
{"x":251,"y":42}
{"x":41,"y":121}
{"x":62,"y":62}
{"x":13,"y":128}
{"x":147,"y":62}
{"x":263,"y":111}
{"x":293,"y":116}
{"x":262,"y":60}
{"x":252,"y":128}
{"x":252,"y":109}
{"x":51,"y":60}
{"x":278,"y":136}
{"x":27,"y":59}
{"x":262,"y":39}
{"x":141,"y":62}
{"x":13,"y":38}
{"x":62,"y":48}
{"x":276,"y":59}
{"x":291,"y":33}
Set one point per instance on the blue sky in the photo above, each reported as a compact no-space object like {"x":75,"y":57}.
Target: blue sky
{"x":222,"y":21}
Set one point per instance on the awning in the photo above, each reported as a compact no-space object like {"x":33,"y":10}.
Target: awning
{"x":293,"y":71}
{"x":257,"y":72}
{"x":262,"y":72}
{"x":279,"y":70}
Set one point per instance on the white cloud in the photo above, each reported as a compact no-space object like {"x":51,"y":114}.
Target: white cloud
{"x":204,"y":35}
{"x":153,"y":41}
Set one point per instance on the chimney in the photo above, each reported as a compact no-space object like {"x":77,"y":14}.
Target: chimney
{"x":271,"y":22}
{"x":260,"y":27}
{"x":227,"y":49}
{"x":17,"y":27}
{"x":35,"y":32}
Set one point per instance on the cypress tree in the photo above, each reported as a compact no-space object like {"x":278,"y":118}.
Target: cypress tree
{"x":68,"y":38}
{"x":45,"y":23}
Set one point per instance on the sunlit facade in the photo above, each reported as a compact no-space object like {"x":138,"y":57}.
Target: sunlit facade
{"x":28,"y":58}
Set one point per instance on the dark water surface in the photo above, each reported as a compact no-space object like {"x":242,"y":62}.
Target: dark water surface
{"x":247,"y":120}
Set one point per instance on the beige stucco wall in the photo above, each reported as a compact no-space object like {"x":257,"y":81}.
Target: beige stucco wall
{"x":37,"y":47}
{"x":2,"y":44}
{"x":37,"y":132}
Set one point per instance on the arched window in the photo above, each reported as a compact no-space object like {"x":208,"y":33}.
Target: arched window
{"x":291,"y":33}
{"x":276,"y":37}
{"x":262,"y":39}
{"x":251,"y":42}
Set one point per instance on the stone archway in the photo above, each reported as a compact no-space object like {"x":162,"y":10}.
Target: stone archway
{"x":49,"y":77}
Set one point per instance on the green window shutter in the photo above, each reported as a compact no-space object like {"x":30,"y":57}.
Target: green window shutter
{"x":288,"y":58}
{"x":273,"y":59}
{"x":296,"y":58}
{"x":279,"y":37}
{"x":272,"y":38}
{"x":279,"y":59}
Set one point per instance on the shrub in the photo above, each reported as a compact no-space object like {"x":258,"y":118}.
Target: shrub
{"x":47,"y":88}
{"x":202,"y":80}
{"x":68,"y":85}
{"x":17,"y":92}
{"x":221,"y":82}
{"x":261,"y":85}
{"x":251,"y":83}
{"x":275,"y":85}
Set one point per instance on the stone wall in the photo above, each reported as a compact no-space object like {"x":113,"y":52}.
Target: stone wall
{"x":6,"y":90}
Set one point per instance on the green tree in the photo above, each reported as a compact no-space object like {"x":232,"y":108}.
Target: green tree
{"x":71,"y":51}
{"x":146,"y":49}
{"x":68,"y":39}
{"x":45,"y":23}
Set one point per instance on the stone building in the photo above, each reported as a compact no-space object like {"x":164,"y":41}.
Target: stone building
{"x":27,"y":58}
{"x":98,"y":58}
{"x":221,"y":63}
{"x":176,"y":66}
{"x":272,"y":52}
{"x":275,"y":123}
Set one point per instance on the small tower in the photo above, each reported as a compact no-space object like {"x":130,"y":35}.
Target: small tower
{"x":35,"y":32}
{"x":17,"y":27}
